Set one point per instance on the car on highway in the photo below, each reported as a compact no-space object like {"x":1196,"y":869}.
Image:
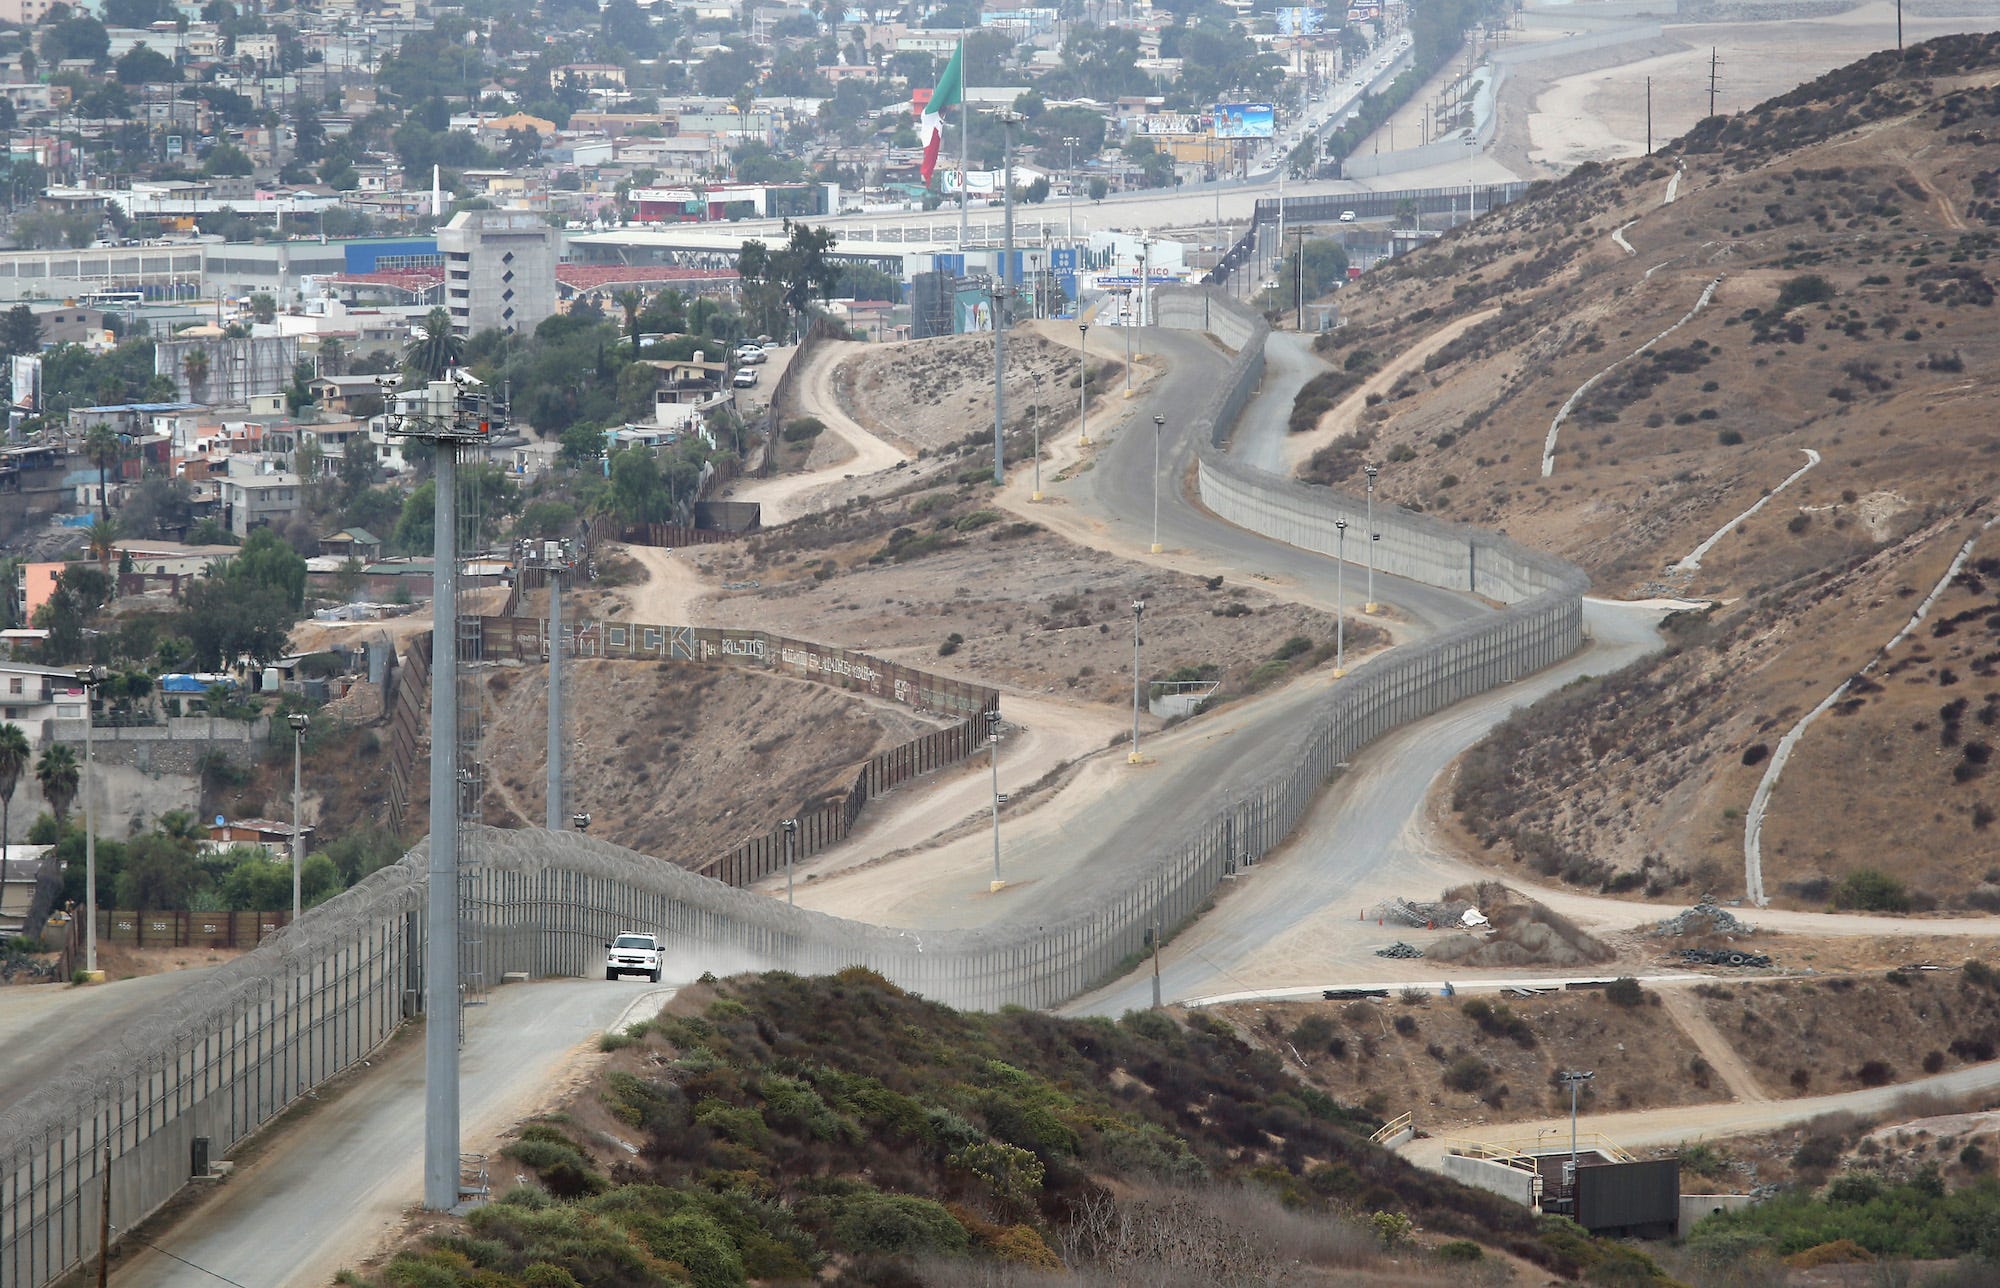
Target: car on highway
{"x":634,"y":953}
{"x":746,"y":378}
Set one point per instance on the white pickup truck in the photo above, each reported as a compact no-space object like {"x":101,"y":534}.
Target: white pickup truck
{"x":634,"y":954}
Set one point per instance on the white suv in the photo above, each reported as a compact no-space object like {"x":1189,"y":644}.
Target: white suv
{"x":634,"y":954}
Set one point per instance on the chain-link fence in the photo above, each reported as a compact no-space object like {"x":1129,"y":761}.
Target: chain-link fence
{"x":236,"y":1048}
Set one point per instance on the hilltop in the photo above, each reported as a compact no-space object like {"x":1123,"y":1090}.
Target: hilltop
{"x":840,"y":1130}
{"x":1792,"y":306}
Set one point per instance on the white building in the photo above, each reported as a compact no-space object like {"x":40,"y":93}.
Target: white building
{"x":500,"y":270}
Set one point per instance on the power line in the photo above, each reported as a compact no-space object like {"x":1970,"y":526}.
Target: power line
{"x":184,"y":1261}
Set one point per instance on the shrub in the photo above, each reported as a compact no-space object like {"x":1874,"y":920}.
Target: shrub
{"x":1467,"y":1073}
{"x":1624,"y":991}
{"x":800,"y":428}
{"x":1868,"y":890}
{"x":1875,"y":1073}
{"x":1729,"y":437}
{"x":1459,"y":1251}
{"x":976,"y":520}
{"x":896,"y":1225}
{"x":1839,"y":1252}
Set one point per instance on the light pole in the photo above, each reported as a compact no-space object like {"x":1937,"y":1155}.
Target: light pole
{"x":993,"y":734}
{"x":1138,"y":611}
{"x":1573,"y":1079}
{"x":1070,"y":141}
{"x":1125,"y":303}
{"x":1471,"y":192}
{"x":1340,"y":598}
{"x":1083,"y":384}
{"x":791,"y":826}
{"x":89,"y":677}
{"x":1159,"y":432}
{"x":1008,"y":120}
{"x":1036,"y":495}
{"x":298,"y":720}
{"x":1374,"y":536}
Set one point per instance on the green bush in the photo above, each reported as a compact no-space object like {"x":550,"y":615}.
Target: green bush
{"x":1460,"y":1251}
{"x":1624,"y":991}
{"x":976,"y":520}
{"x":1868,"y":890}
{"x":897,"y":1225}
{"x":800,"y":428}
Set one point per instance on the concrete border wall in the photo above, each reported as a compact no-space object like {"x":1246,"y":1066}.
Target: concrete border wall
{"x":237,"y":1048}
{"x":1494,"y":1178}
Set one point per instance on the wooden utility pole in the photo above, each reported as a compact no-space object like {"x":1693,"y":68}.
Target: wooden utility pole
{"x":1649,"y":116}
{"x":1713,"y":63}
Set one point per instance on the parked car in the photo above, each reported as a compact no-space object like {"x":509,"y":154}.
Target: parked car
{"x":634,"y":953}
{"x":1347,"y":216}
{"x":750,"y":353}
{"x":746,"y":378}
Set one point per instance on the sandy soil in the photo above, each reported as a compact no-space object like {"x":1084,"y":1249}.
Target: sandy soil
{"x":858,"y":453}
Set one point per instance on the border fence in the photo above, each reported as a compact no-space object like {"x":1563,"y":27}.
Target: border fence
{"x":234,"y":1049}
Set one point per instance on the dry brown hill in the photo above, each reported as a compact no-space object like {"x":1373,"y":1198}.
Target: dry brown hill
{"x":1819,"y":283}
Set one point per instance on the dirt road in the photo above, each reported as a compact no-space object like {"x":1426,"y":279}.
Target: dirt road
{"x":789,"y":495}
{"x":671,"y":591}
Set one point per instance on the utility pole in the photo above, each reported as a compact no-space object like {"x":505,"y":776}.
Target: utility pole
{"x":1138,"y":611}
{"x":1713,"y":63}
{"x":1649,"y":116}
{"x":556,"y":560}
{"x":1002,"y":293}
{"x":448,"y":414}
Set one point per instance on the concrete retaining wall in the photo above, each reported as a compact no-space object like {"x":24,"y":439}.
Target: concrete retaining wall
{"x":1496,"y":1178}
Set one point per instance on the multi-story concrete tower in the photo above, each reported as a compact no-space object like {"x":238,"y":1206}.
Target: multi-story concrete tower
{"x":499,"y":269}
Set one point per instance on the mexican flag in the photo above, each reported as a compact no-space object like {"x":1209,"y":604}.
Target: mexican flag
{"x":930,"y":125}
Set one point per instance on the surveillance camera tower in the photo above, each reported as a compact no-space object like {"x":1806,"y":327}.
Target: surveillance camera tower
{"x":449,"y":417}
{"x":556,"y":559}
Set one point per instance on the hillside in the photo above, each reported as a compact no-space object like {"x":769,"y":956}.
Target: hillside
{"x":838,"y":1130}
{"x":1789,"y":307}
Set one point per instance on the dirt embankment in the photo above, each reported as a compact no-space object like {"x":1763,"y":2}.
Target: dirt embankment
{"x":680,"y":760}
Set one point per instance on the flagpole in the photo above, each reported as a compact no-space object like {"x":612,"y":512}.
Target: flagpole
{"x":964,"y":148}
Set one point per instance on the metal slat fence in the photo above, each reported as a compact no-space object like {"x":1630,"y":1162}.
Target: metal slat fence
{"x":313,"y":999}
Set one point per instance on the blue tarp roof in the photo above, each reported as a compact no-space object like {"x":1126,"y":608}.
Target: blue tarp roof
{"x":191,"y":683}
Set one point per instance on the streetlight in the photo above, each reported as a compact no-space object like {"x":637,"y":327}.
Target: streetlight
{"x":1036,"y":495}
{"x":298,"y":720}
{"x":993,"y":734}
{"x":791,"y":826}
{"x":1070,"y":141}
{"x":1371,"y":607}
{"x":1159,"y":431}
{"x":1573,"y":1079}
{"x":1471,"y":191}
{"x":1138,"y":611}
{"x":1010,"y":279}
{"x":89,"y":677}
{"x":1083,"y":383}
{"x":1340,"y":599}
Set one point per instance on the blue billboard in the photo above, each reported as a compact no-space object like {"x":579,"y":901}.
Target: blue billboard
{"x":1245,"y":120}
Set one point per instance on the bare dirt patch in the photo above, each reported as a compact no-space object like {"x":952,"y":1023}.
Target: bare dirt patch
{"x":933,"y":394}
{"x":681,"y":760}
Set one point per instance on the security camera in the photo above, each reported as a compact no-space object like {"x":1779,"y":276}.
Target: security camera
{"x":464,"y":379}
{"x":389,"y":381}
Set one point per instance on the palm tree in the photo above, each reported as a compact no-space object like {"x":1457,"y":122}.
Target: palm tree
{"x":102,"y":536}
{"x":438,"y":348}
{"x":182,"y":828}
{"x":332,"y":357}
{"x":194,"y":365}
{"x":58,"y":774}
{"x":14,"y":754}
{"x":630,"y":301}
{"x":102,"y":446}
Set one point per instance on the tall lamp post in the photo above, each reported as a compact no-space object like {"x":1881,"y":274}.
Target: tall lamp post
{"x":298,"y":720}
{"x":1008,"y":282}
{"x":993,"y":735}
{"x":1159,"y":432}
{"x":1083,"y":384}
{"x":89,"y":677}
{"x":1138,"y":611}
{"x":1574,"y":1080}
{"x":791,"y":826}
{"x":1340,"y":598}
{"x":1371,"y":607}
{"x":1070,"y":141}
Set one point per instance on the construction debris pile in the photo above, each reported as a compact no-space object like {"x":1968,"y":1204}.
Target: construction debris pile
{"x":1722,"y":957}
{"x":1400,"y":949}
{"x":1421,"y":916}
{"x":1704,"y":919}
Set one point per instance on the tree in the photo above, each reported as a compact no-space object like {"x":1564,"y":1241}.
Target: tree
{"x":14,"y":758}
{"x":228,"y":159}
{"x":263,"y":306}
{"x":638,"y":494}
{"x":226,"y":618}
{"x":102,"y":536}
{"x":20,"y":332}
{"x":143,"y":66}
{"x":439,"y":348}
{"x":629,"y":300}
{"x":102,"y":447}
{"x":332,"y":356}
{"x":77,"y":37}
{"x":266,"y":561}
{"x":57,"y":774}
{"x":194,"y":366}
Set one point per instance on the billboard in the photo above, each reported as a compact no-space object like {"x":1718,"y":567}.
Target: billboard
{"x":1301,"y":21}
{"x":26,"y":369}
{"x":1245,"y":121}
{"x":1170,"y":123}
